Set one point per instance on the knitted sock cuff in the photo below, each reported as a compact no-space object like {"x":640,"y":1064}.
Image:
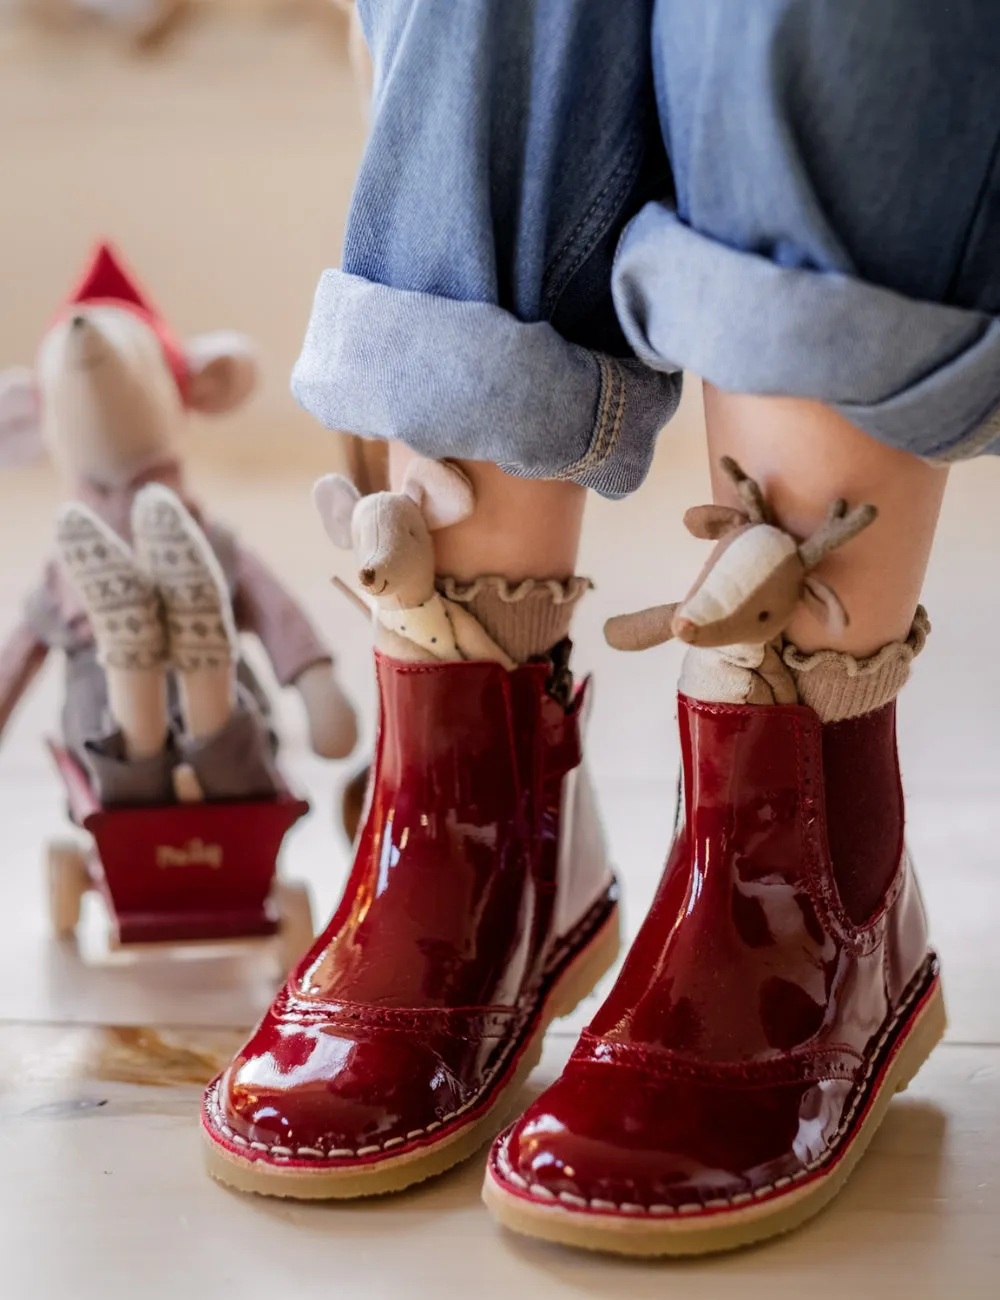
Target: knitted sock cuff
{"x":838,"y":686}
{"x":526,"y":619}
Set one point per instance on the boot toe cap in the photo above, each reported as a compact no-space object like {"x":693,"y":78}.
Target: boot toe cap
{"x":681,"y":1148}
{"x":321,"y":1093}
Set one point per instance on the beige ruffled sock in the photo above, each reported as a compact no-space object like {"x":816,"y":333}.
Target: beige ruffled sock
{"x":525,"y":619}
{"x":838,"y":686}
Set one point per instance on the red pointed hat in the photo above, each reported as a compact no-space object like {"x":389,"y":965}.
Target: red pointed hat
{"x":108,"y":283}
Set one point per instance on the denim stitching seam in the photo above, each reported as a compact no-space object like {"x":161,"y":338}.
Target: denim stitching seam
{"x":607,"y":431}
{"x":578,"y":245}
{"x":976,"y":442}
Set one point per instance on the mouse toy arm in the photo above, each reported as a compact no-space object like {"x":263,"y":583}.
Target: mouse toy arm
{"x":22,"y":657}
{"x":472,"y":639}
{"x":641,"y":630}
{"x":298,"y":654}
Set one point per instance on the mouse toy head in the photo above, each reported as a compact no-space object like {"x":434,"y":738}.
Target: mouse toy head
{"x":112,"y":383}
{"x":390,"y":532}
{"x":756,"y":578}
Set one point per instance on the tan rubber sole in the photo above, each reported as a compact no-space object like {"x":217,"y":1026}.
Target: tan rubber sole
{"x":723,"y":1230}
{"x":394,"y":1173}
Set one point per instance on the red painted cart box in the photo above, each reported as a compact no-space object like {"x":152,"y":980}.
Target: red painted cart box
{"x":183,"y":872}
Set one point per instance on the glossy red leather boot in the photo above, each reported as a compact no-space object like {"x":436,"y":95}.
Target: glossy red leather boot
{"x":480,"y":907}
{"x":771,"y":1005}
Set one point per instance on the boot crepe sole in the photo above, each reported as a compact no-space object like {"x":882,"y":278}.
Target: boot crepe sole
{"x":586,"y":955}
{"x":696,"y":1229}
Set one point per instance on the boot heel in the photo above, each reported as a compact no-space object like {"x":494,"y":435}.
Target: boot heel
{"x":923,"y":1039}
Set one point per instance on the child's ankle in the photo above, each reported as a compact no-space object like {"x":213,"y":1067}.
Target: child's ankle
{"x":838,"y":686}
{"x":525,"y":619}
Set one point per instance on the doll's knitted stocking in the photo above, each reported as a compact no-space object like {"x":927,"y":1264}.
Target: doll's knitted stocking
{"x":201,"y":633}
{"x":126,"y":620}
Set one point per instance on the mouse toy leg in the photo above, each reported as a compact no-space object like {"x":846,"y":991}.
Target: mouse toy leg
{"x":224,"y":740}
{"x":129,"y":762}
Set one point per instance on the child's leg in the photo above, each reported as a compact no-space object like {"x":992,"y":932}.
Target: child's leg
{"x":521,"y":528}
{"x":224,"y":739}
{"x":804,"y":455}
{"x":472,"y":316}
{"x":512,"y":562}
{"x":786,"y":950}
{"x":832,"y":236}
{"x":471,"y":319}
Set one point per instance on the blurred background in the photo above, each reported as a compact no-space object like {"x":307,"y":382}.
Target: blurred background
{"x":215,"y":142}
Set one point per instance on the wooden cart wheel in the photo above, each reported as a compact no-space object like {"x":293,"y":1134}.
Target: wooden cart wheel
{"x":295,"y":913}
{"x":69,"y":880}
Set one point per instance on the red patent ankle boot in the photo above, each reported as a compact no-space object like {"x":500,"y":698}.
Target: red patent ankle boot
{"x":480,"y":907}
{"x":779,"y":993}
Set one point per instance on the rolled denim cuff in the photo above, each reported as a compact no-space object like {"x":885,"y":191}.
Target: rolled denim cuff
{"x":468,"y":379}
{"x":918,"y":375}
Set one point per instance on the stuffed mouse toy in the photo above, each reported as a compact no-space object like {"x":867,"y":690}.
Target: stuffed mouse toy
{"x":756,"y":579}
{"x":109,"y":395}
{"x":391,"y":535}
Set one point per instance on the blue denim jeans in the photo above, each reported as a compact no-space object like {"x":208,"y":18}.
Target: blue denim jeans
{"x":564,"y":204}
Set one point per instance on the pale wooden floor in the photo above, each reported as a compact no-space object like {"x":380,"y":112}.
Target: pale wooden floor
{"x":101,"y":1189}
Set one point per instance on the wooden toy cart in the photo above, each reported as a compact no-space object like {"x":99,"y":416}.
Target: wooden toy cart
{"x":179,"y":874}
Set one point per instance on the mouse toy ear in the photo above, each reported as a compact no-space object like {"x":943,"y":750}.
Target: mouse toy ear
{"x":441,"y":490}
{"x":641,"y":630}
{"x":20,"y":417}
{"x":221,"y":372}
{"x":712,"y":522}
{"x":336,"y":497}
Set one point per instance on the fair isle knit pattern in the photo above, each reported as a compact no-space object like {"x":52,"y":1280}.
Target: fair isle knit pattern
{"x":122,"y":604}
{"x":174,"y":552}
